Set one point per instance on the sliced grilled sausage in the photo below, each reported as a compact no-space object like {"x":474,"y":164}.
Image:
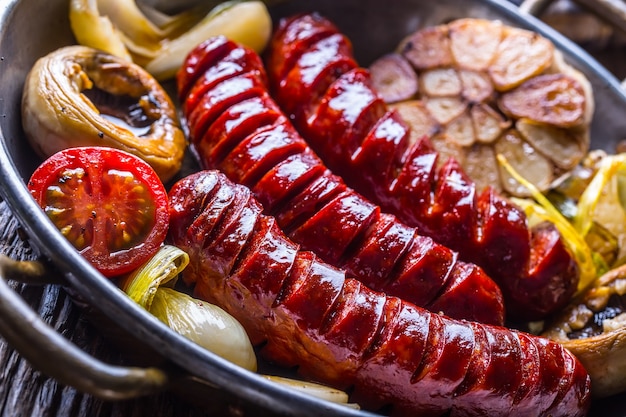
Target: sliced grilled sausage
{"x":236,"y":127}
{"x":391,"y":354}
{"x":330,"y":99}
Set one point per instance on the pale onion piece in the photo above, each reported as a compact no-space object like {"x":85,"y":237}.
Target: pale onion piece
{"x":445,"y":109}
{"x":205,"y":324}
{"x":417,"y":116}
{"x":313,"y":389}
{"x":130,"y":20}
{"x":146,"y":47}
{"x":474,"y":42}
{"x":541,"y":209}
{"x":488,"y":123}
{"x":555,"y":99}
{"x":162,"y":269}
{"x":440,"y":82}
{"x":461,"y":130}
{"x":427,"y":48}
{"x":248,"y":23}
{"x":521,"y":55}
{"x":533,"y":166}
{"x":603,"y":355}
{"x":91,"y":29}
{"x":57,"y":113}
{"x":562,"y":146}
{"x":476,"y":86}
{"x":393,"y":78}
{"x":481,"y":165}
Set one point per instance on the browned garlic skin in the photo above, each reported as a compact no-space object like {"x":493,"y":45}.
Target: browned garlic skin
{"x":57,"y":112}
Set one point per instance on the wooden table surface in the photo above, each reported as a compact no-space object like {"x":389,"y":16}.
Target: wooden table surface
{"x":26,"y":392}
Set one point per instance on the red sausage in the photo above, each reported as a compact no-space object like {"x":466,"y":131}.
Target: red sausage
{"x":319,"y":85}
{"x":391,"y":354}
{"x":236,"y":127}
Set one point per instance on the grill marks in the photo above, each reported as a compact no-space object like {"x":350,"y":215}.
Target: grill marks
{"x":236,"y":127}
{"x":389,"y":353}
{"x":333,"y":104}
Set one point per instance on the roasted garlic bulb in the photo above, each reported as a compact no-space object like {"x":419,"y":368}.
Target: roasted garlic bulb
{"x":484,"y":88}
{"x":79,"y":96}
{"x":593,"y":328}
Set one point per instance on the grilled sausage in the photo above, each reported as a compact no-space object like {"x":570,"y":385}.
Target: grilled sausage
{"x":331,"y":101}
{"x":391,"y":354}
{"x":235,"y":126}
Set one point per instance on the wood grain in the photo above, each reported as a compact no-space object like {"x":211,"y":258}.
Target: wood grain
{"x":26,"y":392}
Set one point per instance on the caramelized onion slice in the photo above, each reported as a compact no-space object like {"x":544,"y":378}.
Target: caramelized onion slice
{"x":79,"y":96}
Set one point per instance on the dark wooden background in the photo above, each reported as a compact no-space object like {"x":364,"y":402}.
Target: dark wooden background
{"x":26,"y":392}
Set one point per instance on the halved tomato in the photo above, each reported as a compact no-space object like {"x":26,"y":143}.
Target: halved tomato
{"x":109,"y":204}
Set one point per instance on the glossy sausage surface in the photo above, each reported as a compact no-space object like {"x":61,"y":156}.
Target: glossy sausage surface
{"x":330,"y":99}
{"x":235,"y":126}
{"x":390,"y":354}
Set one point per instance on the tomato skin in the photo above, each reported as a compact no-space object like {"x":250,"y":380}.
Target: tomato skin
{"x":110,"y":204}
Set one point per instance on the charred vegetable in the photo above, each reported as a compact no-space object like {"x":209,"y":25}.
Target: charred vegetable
{"x":108,"y":203}
{"x":78,"y":96}
{"x":594,"y":329}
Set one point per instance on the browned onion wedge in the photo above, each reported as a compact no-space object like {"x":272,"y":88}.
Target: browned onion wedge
{"x":79,"y":96}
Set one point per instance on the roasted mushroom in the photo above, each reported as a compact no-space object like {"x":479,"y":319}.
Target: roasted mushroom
{"x":491,"y":89}
{"x":79,"y":96}
{"x":593,"y":328}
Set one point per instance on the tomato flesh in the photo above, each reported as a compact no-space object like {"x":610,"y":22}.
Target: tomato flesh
{"x":109,"y":204}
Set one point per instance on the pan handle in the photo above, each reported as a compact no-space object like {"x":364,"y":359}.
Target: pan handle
{"x":611,"y":11}
{"x":54,"y":355}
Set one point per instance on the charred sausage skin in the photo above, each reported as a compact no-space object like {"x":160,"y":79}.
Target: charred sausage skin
{"x":388,"y":352}
{"x":317,"y":82}
{"x":235,"y":126}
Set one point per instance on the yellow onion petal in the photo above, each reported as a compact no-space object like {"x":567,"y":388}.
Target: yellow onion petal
{"x":313,"y":389}
{"x":545,"y":210}
{"x":606,"y":188}
{"x":206,"y":324}
{"x":248,"y":23}
{"x":163,"y":268}
{"x":129,"y":19}
{"x":91,"y":29}
{"x":174,"y":25}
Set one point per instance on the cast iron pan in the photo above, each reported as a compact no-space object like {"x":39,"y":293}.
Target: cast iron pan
{"x":30,"y":29}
